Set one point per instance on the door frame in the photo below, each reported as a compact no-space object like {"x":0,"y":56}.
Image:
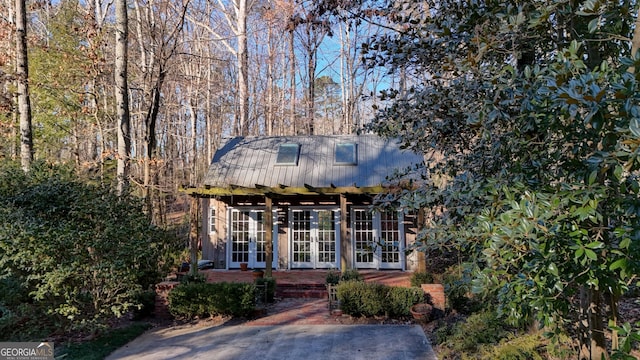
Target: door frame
{"x":252,"y":262}
{"x":314,"y":231}
{"x":377,"y":262}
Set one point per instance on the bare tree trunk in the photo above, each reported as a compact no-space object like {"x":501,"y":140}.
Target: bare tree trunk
{"x":243,"y":68}
{"x":292,"y":75}
{"x":122,"y":96}
{"x":311,"y":92}
{"x":22,"y":74}
{"x":270,"y":99}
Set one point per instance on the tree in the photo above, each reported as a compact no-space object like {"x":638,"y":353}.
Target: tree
{"x":531,"y":113}
{"x":122,"y":95}
{"x":22,"y":74}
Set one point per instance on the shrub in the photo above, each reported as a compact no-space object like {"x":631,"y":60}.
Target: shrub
{"x":333,"y":277}
{"x":479,"y":329}
{"x":523,"y":347}
{"x":193,"y":300}
{"x":457,"y":287}
{"x":359,"y":298}
{"x":193,"y":278}
{"x":420,"y":277}
{"x":80,"y":252}
{"x":351,"y":274}
{"x":270,"y":288}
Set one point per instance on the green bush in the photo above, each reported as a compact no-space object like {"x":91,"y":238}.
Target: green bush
{"x":270,"y":289}
{"x":479,"y":329}
{"x":78,"y":254}
{"x":457,"y":287}
{"x":351,"y":274}
{"x":197,"y":300}
{"x":359,"y":298}
{"x":333,"y":277}
{"x":420,"y":277}
{"x":523,"y":347}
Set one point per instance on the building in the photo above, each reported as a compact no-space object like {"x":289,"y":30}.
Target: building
{"x":318,"y":192}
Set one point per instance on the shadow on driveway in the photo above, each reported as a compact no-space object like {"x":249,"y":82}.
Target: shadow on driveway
{"x":283,"y":342}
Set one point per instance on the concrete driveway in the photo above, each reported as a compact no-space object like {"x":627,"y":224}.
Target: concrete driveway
{"x":281,"y":342}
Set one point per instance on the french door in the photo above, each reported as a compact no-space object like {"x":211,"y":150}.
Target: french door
{"x":247,"y":239}
{"x":378,"y":239}
{"x":315,"y":238}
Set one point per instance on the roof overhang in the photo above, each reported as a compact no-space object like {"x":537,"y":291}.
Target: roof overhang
{"x":281,"y":190}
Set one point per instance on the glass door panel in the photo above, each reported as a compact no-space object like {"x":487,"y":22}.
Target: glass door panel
{"x":314,"y":238}
{"x":247,"y":239}
{"x":364,"y":238}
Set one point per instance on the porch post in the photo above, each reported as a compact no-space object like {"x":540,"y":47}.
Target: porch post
{"x":344,"y":240}
{"x":422,"y":260}
{"x":194,"y":217}
{"x":268,"y":222}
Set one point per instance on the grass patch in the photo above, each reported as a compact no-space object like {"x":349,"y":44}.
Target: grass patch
{"x":103,"y":345}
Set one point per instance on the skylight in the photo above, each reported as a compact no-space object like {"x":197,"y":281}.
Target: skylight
{"x":288,"y":154}
{"x":346,"y":154}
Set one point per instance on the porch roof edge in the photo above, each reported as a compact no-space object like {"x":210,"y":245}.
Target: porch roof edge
{"x":207,"y":191}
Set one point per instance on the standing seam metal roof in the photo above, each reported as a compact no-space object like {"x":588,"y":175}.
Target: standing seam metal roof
{"x":251,"y":161}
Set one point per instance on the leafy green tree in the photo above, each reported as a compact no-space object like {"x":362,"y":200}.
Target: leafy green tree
{"x":529,"y":116}
{"x":82,"y":253}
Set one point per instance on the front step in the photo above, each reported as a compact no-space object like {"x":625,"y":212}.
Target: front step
{"x":301,"y":291}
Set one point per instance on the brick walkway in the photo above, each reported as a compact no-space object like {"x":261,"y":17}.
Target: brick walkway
{"x":290,"y":311}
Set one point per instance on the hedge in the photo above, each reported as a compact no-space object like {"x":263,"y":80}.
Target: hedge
{"x":193,"y":300}
{"x":360,"y":298}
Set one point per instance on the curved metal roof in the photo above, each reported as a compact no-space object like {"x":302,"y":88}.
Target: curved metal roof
{"x":250,"y":163}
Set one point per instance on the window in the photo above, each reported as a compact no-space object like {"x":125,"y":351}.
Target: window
{"x":212,"y":220}
{"x":346,"y":154}
{"x":288,"y":154}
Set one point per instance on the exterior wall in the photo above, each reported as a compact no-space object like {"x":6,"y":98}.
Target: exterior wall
{"x":214,"y":239}
{"x":214,"y":234}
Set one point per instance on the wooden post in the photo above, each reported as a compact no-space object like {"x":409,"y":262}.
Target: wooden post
{"x":422,"y":261}
{"x":344,"y":241}
{"x":268,"y":240}
{"x":193,"y":234}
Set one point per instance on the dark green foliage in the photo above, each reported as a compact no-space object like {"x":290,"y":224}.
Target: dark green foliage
{"x":333,"y":277}
{"x":102,"y":346}
{"x":537,"y":183}
{"x":359,"y":298}
{"x":351,"y":274}
{"x":198,"y":300}
{"x":270,"y":288}
{"x":419,"y":277}
{"x":525,"y":347}
{"x":80,"y":254}
{"x":478,"y":329}
{"x":457,"y":287}
{"x":146,"y":301}
{"x":193,"y":278}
